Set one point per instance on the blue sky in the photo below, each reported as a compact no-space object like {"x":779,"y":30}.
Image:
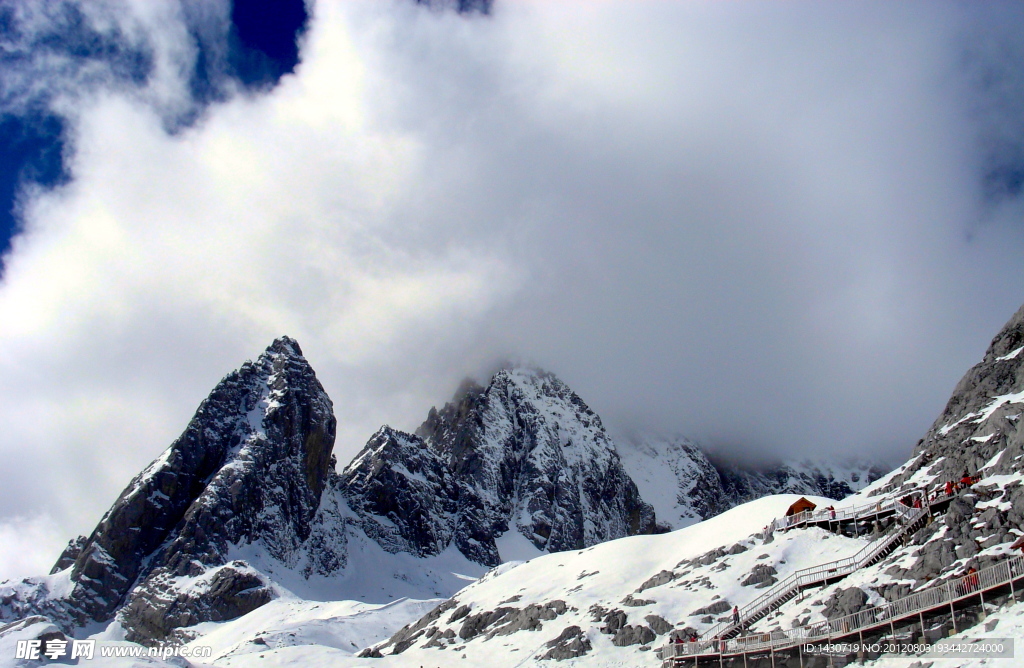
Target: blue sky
{"x":255,"y":47}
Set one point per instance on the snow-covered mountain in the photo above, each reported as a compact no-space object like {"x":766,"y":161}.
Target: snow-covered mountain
{"x":245,"y":507}
{"x":235,"y":549}
{"x":686,"y":485}
{"x":607,"y":605}
{"x":613,"y":604}
{"x":528,"y":455}
{"x":250,"y":469}
{"x":245,"y":517}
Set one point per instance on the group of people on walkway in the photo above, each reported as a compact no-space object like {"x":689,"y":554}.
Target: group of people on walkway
{"x":953,"y":486}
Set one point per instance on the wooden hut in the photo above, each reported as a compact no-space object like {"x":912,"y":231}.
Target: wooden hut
{"x":799,"y":506}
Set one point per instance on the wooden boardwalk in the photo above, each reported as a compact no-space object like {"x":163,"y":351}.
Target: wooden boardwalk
{"x":724,"y":642}
{"x":940,"y":596}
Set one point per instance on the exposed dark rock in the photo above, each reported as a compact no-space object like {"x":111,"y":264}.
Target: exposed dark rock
{"x":633,"y":635}
{"x":711,"y":557}
{"x":506,"y":444}
{"x":529,"y":618}
{"x":636,"y":602}
{"x":570,"y":643}
{"x":404,"y":638}
{"x":70,"y":553}
{"x":270,"y":420}
{"x":658,"y":624}
{"x":761,"y":575}
{"x":474,"y":625}
{"x":981,"y":426}
{"x":160,"y":608}
{"x":459,"y":613}
{"x":403,"y":493}
{"x":845,"y":602}
{"x":613,"y":621}
{"x":662,"y":577}
{"x":714,"y":609}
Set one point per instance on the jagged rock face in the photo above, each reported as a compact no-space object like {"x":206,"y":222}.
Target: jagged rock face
{"x":978,"y":434}
{"x":705,"y":486}
{"x":527,"y":454}
{"x":523,"y":454}
{"x":740,"y":484}
{"x":269,"y":421}
{"x":403,"y":493}
{"x":275,"y":427}
{"x":70,"y":553}
{"x":983,"y":417}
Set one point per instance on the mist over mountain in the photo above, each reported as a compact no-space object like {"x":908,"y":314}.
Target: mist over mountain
{"x":246,"y":504}
{"x":496,"y":502}
{"x":786,"y":231}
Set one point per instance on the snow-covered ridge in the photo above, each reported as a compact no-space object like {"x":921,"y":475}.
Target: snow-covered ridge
{"x":245,"y":509}
{"x":686,"y":485}
{"x":621,"y":595}
{"x":523,"y":455}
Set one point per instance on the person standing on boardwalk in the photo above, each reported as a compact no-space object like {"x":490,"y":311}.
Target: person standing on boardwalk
{"x":736,"y":615}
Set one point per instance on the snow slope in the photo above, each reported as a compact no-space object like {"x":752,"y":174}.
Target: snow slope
{"x":619,"y":576}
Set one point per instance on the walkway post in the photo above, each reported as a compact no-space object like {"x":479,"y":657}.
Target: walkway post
{"x":920,"y":615}
{"x":952,"y":610}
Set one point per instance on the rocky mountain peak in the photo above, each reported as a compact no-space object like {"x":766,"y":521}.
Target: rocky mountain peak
{"x":250,"y":467}
{"x":523,"y":453}
{"x":530,"y":456}
{"x":979,"y":431}
{"x":285,"y":345}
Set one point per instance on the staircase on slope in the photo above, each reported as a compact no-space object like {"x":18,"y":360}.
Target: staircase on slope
{"x":911,"y":519}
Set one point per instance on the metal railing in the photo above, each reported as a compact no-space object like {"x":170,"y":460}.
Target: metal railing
{"x":854,"y":512}
{"x":938,"y":594}
{"x":806,"y":577}
{"x":836,"y":515}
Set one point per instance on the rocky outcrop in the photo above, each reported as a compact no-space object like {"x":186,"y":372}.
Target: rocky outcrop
{"x":980,"y":428}
{"x":69,"y":555}
{"x":162,"y":609}
{"x":523,"y":454}
{"x":687,"y":485}
{"x":761,"y":575}
{"x":978,"y":435}
{"x":177,"y":521}
{"x":529,"y":455}
{"x":570,"y":643}
{"x":845,"y":602}
{"x":403,"y":492}
{"x":633,"y":635}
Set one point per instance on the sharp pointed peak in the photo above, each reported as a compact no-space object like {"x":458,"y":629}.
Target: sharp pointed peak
{"x":285,"y":345}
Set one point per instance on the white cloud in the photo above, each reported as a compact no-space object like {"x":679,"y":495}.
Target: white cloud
{"x":30,"y":545}
{"x":743,"y":223}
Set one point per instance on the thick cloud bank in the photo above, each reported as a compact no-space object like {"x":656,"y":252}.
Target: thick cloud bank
{"x":783,"y":229}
